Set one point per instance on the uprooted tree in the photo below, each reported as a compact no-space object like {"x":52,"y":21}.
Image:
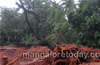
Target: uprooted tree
{"x":29,"y":7}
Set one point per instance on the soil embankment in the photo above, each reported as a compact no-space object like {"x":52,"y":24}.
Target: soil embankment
{"x":70,"y":54}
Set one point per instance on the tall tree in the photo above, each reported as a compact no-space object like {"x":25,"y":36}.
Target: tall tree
{"x":84,"y":21}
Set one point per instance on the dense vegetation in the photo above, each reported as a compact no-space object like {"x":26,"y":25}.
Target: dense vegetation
{"x":47,"y":22}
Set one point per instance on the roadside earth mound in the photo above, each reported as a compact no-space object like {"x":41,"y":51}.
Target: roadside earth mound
{"x":70,"y":54}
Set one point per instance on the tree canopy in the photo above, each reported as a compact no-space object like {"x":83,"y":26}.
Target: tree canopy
{"x":46,"y":22}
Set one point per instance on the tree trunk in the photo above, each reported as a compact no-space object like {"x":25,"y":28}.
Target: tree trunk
{"x":36,"y":18}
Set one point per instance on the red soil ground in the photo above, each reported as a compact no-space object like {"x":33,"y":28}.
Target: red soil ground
{"x":14,"y":55}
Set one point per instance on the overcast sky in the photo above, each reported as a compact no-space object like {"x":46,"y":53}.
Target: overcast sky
{"x":11,"y":3}
{"x":8,"y":3}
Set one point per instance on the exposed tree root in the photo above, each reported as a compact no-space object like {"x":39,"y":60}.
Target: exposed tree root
{"x":48,"y":59}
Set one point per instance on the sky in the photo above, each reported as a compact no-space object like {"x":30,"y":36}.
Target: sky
{"x":8,"y":3}
{"x":11,"y":3}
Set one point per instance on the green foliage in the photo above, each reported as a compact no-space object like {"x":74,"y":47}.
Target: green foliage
{"x":77,"y":25}
{"x":52,"y":19}
{"x":29,"y":39}
{"x":10,"y":45}
{"x":86,"y":20}
{"x":92,"y":29}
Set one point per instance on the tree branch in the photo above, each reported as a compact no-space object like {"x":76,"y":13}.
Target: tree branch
{"x":24,"y":8}
{"x":36,"y":18}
